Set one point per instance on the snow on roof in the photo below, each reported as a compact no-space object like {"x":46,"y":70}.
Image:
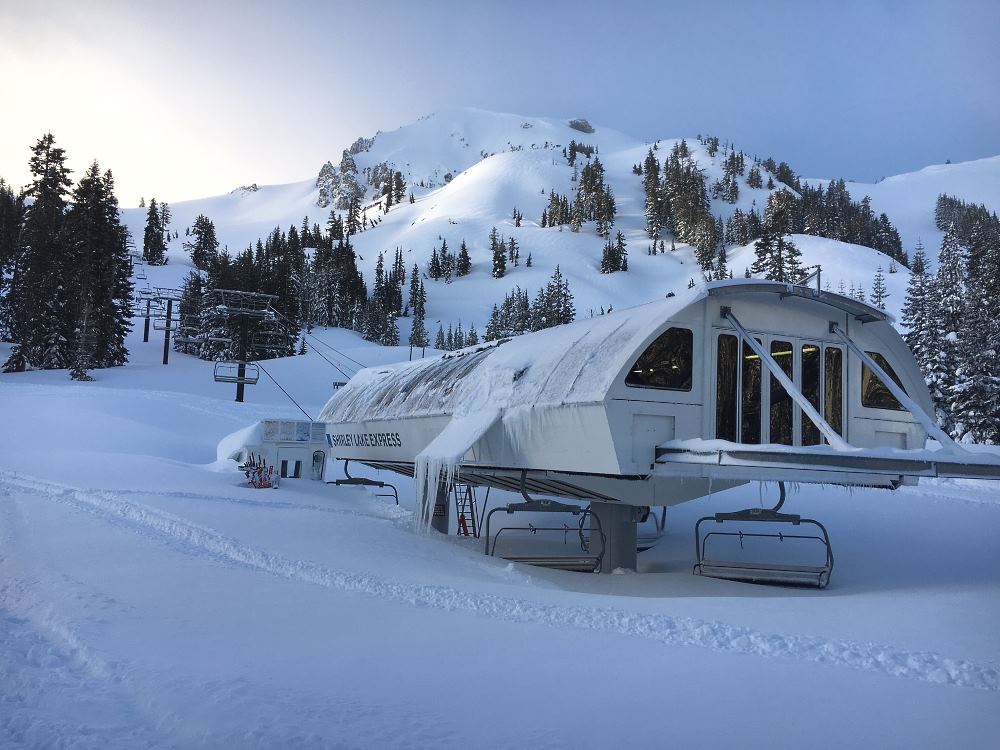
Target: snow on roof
{"x":572,"y":363}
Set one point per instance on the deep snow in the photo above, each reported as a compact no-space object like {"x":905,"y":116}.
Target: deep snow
{"x":150,"y":599}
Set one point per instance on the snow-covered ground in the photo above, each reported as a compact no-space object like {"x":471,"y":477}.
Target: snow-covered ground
{"x":149,"y":599}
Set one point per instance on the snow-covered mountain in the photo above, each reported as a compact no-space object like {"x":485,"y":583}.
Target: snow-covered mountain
{"x":469,"y":169}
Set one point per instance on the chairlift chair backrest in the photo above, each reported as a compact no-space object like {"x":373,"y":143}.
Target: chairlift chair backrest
{"x":228,"y":371}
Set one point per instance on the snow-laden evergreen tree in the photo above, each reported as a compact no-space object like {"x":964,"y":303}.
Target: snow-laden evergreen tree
{"x":777,"y":256}
{"x":97,"y":247}
{"x":472,"y":337}
{"x":11,"y":225}
{"x":949,"y":307}
{"x":439,"y":340}
{"x":166,"y":216}
{"x":153,"y":246}
{"x":39,"y":304}
{"x":189,"y":330}
{"x":554,"y":303}
{"x":879,"y":292}
{"x":418,"y":332}
{"x":464,"y":263}
{"x":204,"y":245}
{"x":83,"y":356}
{"x":976,"y":395}
{"x":499,"y":252}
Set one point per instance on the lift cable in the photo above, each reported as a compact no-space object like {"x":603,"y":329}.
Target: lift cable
{"x":328,"y":346}
{"x":273,"y":380}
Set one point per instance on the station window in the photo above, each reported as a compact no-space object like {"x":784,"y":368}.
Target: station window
{"x":833,"y":388}
{"x":874,"y":394}
{"x":810,"y":389}
{"x":783,"y":353}
{"x":666,"y":364}
{"x":750,"y":398}
{"x":726,"y":388}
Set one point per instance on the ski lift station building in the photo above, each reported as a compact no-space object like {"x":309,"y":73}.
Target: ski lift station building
{"x":725,"y":383}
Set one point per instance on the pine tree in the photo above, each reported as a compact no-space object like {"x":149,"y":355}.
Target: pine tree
{"x":879,"y":292}
{"x":976,"y":398}
{"x":777,"y":256}
{"x":187,"y":339}
{"x":434,"y":267}
{"x":464,"y":264}
{"x":499,"y":255}
{"x":205,"y":244}
{"x":11,"y":225}
{"x":439,"y":341}
{"x":472,"y":338}
{"x":153,"y":246}
{"x":83,"y":357}
{"x":165,"y":217}
{"x":97,"y":244}
{"x":38,"y":312}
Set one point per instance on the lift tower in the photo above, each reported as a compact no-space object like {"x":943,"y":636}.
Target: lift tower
{"x":241,"y":308}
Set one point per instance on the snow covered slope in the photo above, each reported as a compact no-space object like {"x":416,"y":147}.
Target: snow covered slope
{"x":909,"y":198}
{"x":477,"y":167}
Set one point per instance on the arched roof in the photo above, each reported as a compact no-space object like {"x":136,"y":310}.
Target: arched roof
{"x":575,"y":363}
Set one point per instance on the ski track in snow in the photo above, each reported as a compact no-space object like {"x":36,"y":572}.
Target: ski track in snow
{"x":660,"y":628}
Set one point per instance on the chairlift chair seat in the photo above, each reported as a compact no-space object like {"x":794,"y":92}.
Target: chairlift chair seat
{"x":229,"y":372}
{"x":162,"y":324}
{"x":788,"y":574}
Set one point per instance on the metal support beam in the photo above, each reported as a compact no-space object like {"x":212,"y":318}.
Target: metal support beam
{"x":242,"y":367}
{"x":166,"y":331}
{"x":441,"y":512}
{"x":831,"y":435}
{"x":145,"y":325}
{"x":619,"y":523}
{"x":912,"y":406}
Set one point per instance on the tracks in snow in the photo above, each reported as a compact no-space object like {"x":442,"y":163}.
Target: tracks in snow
{"x":659,"y":628}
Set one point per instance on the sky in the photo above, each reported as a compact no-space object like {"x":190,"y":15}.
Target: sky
{"x":188,"y":99}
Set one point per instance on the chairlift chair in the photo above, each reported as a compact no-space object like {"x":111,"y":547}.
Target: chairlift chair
{"x":140,"y":273}
{"x":229,"y":372}
{"x":139,"y":311}
{"x":764,"y":572}
{"x":269,"y":341}
{"x":586,"y":561}
{"x":162,"y":324}
{"x":366,"y":482}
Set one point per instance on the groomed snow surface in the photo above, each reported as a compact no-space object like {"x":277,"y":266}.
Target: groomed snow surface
{"x":148,"y":598}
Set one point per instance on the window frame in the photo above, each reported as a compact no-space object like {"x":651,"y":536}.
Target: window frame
{"x":882,"y":361}
{"x":690,"y":363}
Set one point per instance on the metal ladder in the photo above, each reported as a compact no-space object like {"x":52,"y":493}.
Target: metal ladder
{"x":467,"y":509}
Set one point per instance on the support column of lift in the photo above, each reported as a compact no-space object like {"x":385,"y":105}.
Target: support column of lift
{"x":619,"y":523}
{"x":441,"y":512}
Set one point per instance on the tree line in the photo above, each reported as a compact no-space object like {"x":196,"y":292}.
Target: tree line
{"x":65,"y":293}
{"x":952,"y":326}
